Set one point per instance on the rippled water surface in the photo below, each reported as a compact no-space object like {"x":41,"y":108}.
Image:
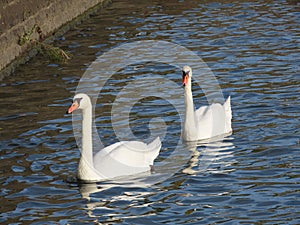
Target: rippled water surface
{"x":252,"y":176}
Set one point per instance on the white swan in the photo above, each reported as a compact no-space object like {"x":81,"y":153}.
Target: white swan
{"x":207,"y":121}
{"x":120,"y":159}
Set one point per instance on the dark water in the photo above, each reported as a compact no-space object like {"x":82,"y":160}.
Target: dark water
{"x":251,"y":177}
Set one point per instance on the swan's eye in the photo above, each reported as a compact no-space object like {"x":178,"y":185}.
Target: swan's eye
{"x":184,"y":73}
{"x":77,"y":100}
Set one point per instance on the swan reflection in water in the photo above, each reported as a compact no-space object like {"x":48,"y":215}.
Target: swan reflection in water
{"x":102,"y":196}
{"x":209,"y":156}
{"x":213,"y":155}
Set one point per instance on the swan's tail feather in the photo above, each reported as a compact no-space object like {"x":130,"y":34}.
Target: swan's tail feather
{"x":154,"y":148}
{"x":156,"y":143}
{"x":228,"y":114}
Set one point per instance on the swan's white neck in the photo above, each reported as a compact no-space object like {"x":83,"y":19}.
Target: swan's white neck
{"x":189,"y":130}
{"x":86,"y":165}
{"x":87,"y":143}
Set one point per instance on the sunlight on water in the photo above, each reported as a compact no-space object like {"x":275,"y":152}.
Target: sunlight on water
{"x":251,"y":176}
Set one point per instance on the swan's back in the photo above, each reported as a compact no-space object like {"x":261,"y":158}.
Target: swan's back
{"x":213,"y":120}
{"x":228,"y":114}
{"x":126,"y":158}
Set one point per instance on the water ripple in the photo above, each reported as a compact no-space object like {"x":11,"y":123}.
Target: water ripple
{"x":251,"y":177}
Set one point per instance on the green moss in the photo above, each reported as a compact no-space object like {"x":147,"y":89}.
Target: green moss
{"x":26,"y":37}
{"x":55,"y":54}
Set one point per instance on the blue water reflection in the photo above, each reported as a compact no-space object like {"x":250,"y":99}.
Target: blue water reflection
{"x":250,"y":177}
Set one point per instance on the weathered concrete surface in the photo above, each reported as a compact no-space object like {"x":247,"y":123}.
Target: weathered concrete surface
{"x":19,"y":16}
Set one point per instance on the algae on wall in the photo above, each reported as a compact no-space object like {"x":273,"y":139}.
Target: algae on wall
{"x":18,"y":33}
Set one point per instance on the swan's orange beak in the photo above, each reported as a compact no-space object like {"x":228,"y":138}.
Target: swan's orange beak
{"x":73,"y":107}
{"x":185,"y":79}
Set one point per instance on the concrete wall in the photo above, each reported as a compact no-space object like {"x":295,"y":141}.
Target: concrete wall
{"x":19,"y":16}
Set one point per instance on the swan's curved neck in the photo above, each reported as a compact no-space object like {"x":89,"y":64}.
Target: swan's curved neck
{"x":189,"y":105}
{"x":189,"y":117}
{"x":86,"y":159}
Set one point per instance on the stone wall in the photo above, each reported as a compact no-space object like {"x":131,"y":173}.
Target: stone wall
{"x":20,"y":16}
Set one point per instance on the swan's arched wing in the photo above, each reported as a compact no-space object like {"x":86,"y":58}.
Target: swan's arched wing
{"x":154,"y":148}
{"x":126,"y":157}
{"x":210,"y":120}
